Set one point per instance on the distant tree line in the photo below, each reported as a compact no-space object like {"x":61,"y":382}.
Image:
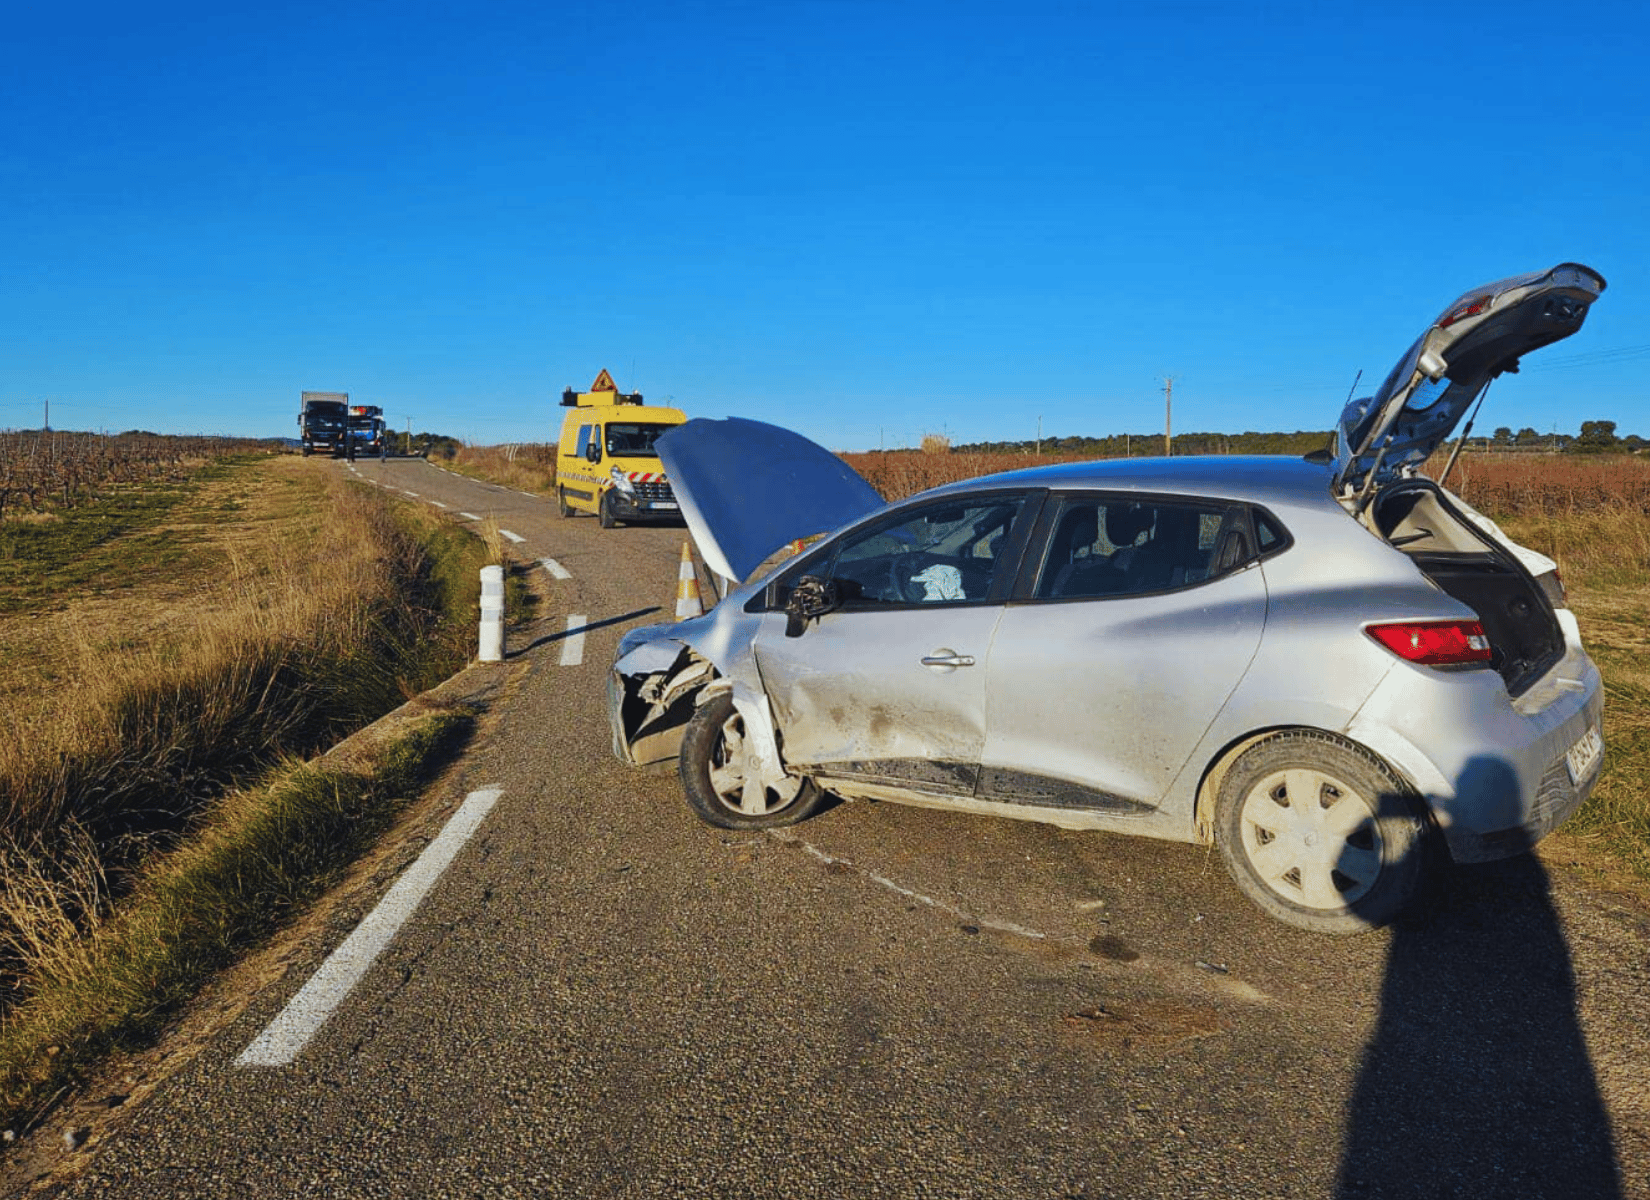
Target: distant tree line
{"x":1596,"y":437}
{"x":1149,"y":445}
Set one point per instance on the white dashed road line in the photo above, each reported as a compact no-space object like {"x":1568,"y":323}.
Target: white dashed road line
{"x":555,"y":568}
{"x":469,"y":516}
{"x":514,"y":537}
{"x":286,"y":1036}
{"x":572,"y":647}
{"x":438,"y":504}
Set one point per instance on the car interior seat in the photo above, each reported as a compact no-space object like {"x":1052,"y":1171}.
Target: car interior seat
{"x":1072,"y":548}
{"x":1172,"y":555}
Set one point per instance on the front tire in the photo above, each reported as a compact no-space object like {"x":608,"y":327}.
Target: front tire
{"x":604,"y":511}
{"x":1319,"y":833}
{"x":720,"y":781}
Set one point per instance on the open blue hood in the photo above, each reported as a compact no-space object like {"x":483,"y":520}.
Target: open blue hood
{"x":747,"y":488}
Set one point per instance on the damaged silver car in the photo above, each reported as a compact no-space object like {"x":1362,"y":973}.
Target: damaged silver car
{"x":1321,"y":666}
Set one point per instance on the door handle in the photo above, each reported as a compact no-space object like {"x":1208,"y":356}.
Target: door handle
{"x":947,"y":659}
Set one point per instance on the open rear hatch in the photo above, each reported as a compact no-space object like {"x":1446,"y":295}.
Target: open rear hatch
{"x":1384,"y":439}
{"x":1483,"y":334}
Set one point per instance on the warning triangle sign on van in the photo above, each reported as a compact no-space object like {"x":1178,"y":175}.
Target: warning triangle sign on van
{"x":604,"y":383}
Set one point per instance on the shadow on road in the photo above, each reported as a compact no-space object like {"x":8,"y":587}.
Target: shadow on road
{"x":1477,"y":1081}
{"x":588,"y":626}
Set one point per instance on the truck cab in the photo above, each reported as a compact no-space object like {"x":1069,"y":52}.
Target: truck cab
{"x":323,"y":423}
{"x":366,"y":430}
{"x":606,"y":463}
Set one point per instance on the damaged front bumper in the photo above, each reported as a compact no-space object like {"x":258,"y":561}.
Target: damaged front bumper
{"x":650,"y":698}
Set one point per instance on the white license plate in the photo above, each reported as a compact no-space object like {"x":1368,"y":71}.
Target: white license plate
{"x":1583,"y":757}
{"x":670,"y":504}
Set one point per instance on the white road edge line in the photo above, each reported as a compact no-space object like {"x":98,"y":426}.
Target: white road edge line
{"x":285,"y":1037}
{"x":514,"y":537}
{"x":469,"y":516}
{"x":572,"y":647}
{"x":555,"y":568}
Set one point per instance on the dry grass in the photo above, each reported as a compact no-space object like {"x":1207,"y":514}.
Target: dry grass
{"x":321,"y":610}
{"x":152,"y":824}
{"x":525,"y":466}
{"x":897,"y":474}
{"x":112,"y":980}
{"x":1526,"y":484}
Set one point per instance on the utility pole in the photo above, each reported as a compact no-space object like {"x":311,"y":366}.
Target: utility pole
{"x":1168,"y":415}
{"x":46,"y":421}
{"x":1039,"y":435}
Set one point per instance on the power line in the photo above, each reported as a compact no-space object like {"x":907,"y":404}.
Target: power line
{"x":1592,"y":358}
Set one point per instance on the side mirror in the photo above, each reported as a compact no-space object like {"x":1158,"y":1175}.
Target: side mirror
{"x":593,"y":452}
{"x":811,"y":597}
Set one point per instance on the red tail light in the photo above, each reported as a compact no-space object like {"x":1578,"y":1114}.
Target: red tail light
{"x":1434,"y":643}
{"x":1467,"y":308}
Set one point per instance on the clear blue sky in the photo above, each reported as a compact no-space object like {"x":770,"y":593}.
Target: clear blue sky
{"x":865,"y":221}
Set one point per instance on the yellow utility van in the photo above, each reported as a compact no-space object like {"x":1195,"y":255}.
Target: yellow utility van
{"x":605,"y":460}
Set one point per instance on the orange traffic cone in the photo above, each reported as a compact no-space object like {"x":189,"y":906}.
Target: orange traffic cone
{"x":688,"y":603}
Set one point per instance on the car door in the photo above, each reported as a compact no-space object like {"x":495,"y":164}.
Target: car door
{"x":890,"y":686}
{"x":1125,"y":639}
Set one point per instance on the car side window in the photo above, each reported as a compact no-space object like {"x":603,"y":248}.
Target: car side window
{"x":1121,"y":546}
{"x":1266,"y":533}
{"x":946,"y":553}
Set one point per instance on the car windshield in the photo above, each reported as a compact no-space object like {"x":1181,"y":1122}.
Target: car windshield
{"x":633,"y":439}
{"x":944,"y":552}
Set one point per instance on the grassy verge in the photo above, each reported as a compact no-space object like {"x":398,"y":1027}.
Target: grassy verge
{"x":309,"y":634}
{"x":262,"y":855}
{"x":130,"y":710}
{"x":525,"y":466}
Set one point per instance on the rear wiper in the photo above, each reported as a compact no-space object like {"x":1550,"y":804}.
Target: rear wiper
{"x":1410,"y":537}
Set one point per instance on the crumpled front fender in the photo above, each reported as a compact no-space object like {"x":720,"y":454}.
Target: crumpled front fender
{"x":661,"y":675}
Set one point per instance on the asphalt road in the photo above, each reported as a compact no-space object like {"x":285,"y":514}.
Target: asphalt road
{"x":603,"y":997}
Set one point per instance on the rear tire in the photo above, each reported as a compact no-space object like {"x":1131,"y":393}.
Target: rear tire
{"x":1321,"y":834}
{"x":562,"y":506}
{"x":715,"y":770}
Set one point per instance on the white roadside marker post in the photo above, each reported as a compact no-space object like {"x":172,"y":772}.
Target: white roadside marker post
{"x":492,"y":614}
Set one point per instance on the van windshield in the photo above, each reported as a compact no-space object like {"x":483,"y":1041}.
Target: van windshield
{"x":634,"y":440}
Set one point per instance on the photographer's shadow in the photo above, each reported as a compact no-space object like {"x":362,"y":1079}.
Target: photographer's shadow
{"x":1476,"y":1081}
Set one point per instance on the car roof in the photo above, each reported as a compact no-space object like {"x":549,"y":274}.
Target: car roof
{"x":1253,"y":478}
